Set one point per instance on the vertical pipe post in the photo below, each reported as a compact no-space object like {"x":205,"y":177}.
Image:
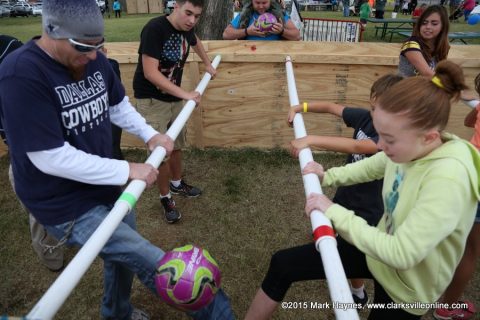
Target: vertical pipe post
{"x":323,"y":233}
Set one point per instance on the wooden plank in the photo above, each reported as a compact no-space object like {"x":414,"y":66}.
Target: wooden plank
{"x":142,"y":6}
{"x":132,"y":6}
{"x":247,"y":103}
{"x":155,"y":6}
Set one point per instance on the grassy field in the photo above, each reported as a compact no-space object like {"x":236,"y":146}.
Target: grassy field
{"x":129,"y":26}
{"x":252,"y":206}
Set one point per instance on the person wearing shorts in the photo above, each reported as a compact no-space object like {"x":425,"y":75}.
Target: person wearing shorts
{"x":165,"y":43}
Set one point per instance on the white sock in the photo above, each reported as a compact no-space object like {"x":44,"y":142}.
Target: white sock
{"x":168,"y":195}
{"x":176,"y":183}
{"x":358,"y":291}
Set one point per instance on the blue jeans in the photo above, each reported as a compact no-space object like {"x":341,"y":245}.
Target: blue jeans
{"x":346,"y":10}
{"x":126,"y":254}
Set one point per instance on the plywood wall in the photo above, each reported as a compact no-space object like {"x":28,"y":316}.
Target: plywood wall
{"x":131,"y":6}
{"x":142,"y":6}
{"x":247,"y":103}
{"x":155,"y":6}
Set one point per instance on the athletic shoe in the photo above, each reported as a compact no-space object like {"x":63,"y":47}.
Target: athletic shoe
{"x":138,"y":314}
{"x":359,"y":301}
{"x":453,"y":314}
{"x":171,"y":213}
{"x":185,"y":190}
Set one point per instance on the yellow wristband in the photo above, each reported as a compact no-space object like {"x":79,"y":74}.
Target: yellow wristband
{"x":305,"y":107}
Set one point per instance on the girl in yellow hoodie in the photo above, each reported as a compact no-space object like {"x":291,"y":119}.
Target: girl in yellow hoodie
{"x":430,"y":194}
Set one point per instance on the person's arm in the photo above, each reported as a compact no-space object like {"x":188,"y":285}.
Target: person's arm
{"x":231,"y":33}
{"x":152,"y":74}
{"x":336,"y":144}
{"x":417,"y":60}
{"x":71,"y":163}
{"x":318,"y":107}
{"x":290,"y":32}
{"x":287,"y":31}
{"x":414,"y":239}
{"x":200,"y":50}
{"x":471,"y":118}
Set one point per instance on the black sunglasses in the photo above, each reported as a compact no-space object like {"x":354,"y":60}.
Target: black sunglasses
{"x":85,"y":48}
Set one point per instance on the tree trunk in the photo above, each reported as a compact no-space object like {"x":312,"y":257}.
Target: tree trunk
{"x":216,"y":15}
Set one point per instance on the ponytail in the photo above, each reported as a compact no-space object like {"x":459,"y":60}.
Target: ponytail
{"x":427,"y":102}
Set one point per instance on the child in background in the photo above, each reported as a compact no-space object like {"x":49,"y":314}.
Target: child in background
{"x":365,"y":12}
{"x":428,"y":44}
{"x":364,"y":199}
{"x":419,"y":10}
{"x":405,"y":6}
{"x":466,"y":268}
{"x":430,"y":194}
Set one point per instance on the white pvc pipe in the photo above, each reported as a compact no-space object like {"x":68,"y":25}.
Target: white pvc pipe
{"x":322,"y":228}
{"x":471,"y":103}
{"x":59,"y":291}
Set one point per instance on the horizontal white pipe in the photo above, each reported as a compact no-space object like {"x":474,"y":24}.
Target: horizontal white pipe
{"x":471,"y":103}
{"x":326,"y":243}
{"x":59,"y":291}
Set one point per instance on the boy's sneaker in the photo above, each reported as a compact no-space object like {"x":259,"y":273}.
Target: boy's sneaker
{"x":185,"y":190}
{"x":452,"y":314}
{"x":362,"y":301}
{"x":171,"y":213}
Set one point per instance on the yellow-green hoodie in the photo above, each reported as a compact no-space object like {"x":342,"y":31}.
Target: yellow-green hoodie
{"x":430,"y":206}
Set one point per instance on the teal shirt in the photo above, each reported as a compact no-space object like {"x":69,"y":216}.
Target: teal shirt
{"x":236,"y":24}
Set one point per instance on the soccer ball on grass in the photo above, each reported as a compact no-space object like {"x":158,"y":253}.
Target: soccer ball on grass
{"x":187,"y":278}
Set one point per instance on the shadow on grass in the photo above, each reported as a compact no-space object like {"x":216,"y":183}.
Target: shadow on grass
{"x":252,"y":205}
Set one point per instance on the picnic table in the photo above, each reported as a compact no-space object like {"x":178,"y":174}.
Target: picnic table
{"x":452,"y":36}
{"x":316,"y":6}
{"x":391,"y":25}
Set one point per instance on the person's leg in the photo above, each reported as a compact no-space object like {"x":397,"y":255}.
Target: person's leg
{"x":158,"y":114}
{"x":126,"y":253}
{"x":47,"y":248}
{"x":175,"y":164}
{"x":178,"y":185}
{"x":381,"y":297}
{"x":300,"y":264}
{"x":463,"y":274}
{"x":219,"y":309}
{"x":262,"y":306}
{"x":466,"y":267}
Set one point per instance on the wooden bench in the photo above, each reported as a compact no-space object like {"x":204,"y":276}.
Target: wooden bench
{"x":316,"y":6}
{"x":390,"y":24}
{"x":452,"y":36}
{"x":394,"y":31}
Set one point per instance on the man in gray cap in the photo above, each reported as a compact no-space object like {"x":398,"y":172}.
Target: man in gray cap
{"x":58,"y":98}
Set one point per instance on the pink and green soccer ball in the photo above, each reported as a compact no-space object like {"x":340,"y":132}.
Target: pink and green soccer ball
{"x":265,"y":22}
{"x":187,"y":278}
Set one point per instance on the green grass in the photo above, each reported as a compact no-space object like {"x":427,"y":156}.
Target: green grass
{"x":252,"y":205}
{"x":125,"y":29}
{"x":128,"y":28}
